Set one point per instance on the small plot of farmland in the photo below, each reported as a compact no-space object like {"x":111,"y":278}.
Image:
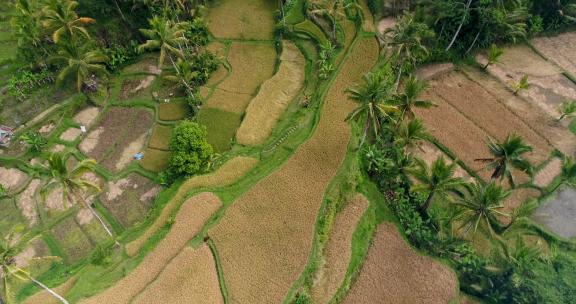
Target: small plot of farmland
{"x":130,"y":198}
{"x":10,"y":216}
{"x":155,"y":160}
{"x":548,"y":86}
{"x":394,"y":273}
{"x":173,"y":110}
{"x":137,"y":86}
{"x":221,"y":126}
{"x":74,"y":241}
{"x":119,"y":135}
{"x":559,"y":49}
{"x":247,"y":19}
{"x":160,"y":138}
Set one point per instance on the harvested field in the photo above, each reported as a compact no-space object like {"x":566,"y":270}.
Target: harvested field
{"x":27,"y":202}
{"x":368,"y":19}
{"x":155,"y":160}
{"x":546,"y":175}
{"x":559,"y":49}
{"x":221,"y":126}
{"x":248,"y":19}
{"x":483,"y":109}
{"x":530,"y":112}
{"x":394,"y":273}
{"x":87,"y":116}
{"x":160,"y":138}
{"x":273,"y":98}
{"x":126,"y":199}
{"x":43,"y":297}
{"x":338,"y":250}
{"x":548,"y":86}
{"x":190,"y":276}
{"x":173,"y":110}
{"x":226,"y":175}
{"x":120,"y":128}
{"x":70,"y":134}
{"x":73,"y":241}
{"x":430,"y":71}
{"x":190,"y":219}
{"x":251,"y":63}
{"x":12,"y":179}
{"x":287,"y":201}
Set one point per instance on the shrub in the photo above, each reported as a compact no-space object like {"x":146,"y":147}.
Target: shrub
{"x":191,"y":152}
{"x":102,"y":256}
{"x":121,"y":55}
{"x":34,"y":140}
{"x":197,"y":32}
{"x":25,"y":82}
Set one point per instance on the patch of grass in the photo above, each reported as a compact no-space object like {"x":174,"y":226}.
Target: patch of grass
{"x":160,"y":138}
{"x":74,"y":243}
{"x":572,"y":126}
{"x":174,"y":110}
{"x":10,"y":216}
{"x":155,"y":160}
{"x":309,"y":28}
{"x":221,"y":126}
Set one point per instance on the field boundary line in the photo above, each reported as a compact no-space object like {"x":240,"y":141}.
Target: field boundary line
{"x":219,"y":271}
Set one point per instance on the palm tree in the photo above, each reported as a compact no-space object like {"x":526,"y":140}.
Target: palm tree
{"x":72,"y":182}
{"x":494,"y":54}
{"x":79,"y":63}
{"x":9,"y":269}
{"x":166,"y":36}
{"x":371,"y":96}
{"x":522,"y":85}
{"x":567,"y":173}
{"x":506,"y":156}
{"x":61,"y":18}
{"x":408,"y":99}
{"x":567,"y":109}
{"x":437,"y":180}
{"x":407,"y":38}
{"x":411,"y":134}
{"x":481,"y":207}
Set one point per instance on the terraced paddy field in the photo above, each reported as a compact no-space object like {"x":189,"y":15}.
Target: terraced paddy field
{"x":558,"y":49}
{"x":287,"y":201}
{"x":250,"y":20}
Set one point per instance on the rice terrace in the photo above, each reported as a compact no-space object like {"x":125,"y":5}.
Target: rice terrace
{"x":287,"y":151}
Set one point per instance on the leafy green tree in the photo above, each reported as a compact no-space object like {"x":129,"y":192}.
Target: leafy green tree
{"x":166,"y":36}
{"x":79,"y":63}
{"x":494,"y":54}
{"x":60,"y":17}
{"x":437,"y":180}
{"x":567,"y":109}
{"x":411,"y":134}
{"x":72,"y":182}
{"x":372,"y":99}
{"x":409,"y":98}
{"x":9,"y":269}
{"x":507,"y":156}
{"x":193,"y":73}
{"x":191,"y":152}
{"x":481,"y":207}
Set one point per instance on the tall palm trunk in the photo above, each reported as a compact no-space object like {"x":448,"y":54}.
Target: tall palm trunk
{"x":460,"y":26}
{"x":50,"y":291}
{"x":427,"y":203}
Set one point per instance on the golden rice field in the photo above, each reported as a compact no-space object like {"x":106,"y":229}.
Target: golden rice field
{"x":246,"y":19}
{"x":259,"y":265}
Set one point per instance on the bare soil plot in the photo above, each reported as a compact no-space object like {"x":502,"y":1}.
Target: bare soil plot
{"x":160,"y":138}
{"x":190,"y":219}
{"x":484,"y":110}
{"x":274,"y":96}
{"x":173,"y":110}
{"x":394,"y":273}
{"x":221,"y":126}
{"x":155,"y":160}
{"x":70,"y":135}
{"x":28,"y":202}
{"x":247,"y":19}
{"x":559,"y":49}
{"x":126,"y":198}
{"x":12,"y":179}
{"x":87,"y":116}
{"x":110,"y":143}
{"x":73,"y":241}
{"x":226,"y":175}
{"x":252,"y":63}
{"x":190,"y":277}
{"x":338,"y":250}
{"x":434,"y":70}
{"x":529,"y":111}
{"x":287,"y":201}
{"x":548,"y":86}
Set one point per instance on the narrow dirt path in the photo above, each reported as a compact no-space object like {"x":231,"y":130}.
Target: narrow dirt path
{"x":265,"y":237}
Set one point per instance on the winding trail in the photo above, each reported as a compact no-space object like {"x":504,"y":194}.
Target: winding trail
{"x":265,"y":237}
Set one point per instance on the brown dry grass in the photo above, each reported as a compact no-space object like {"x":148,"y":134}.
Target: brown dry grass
{"x":12,"y":178}
{"x":394,"y":273}
{"x":485,"y":110}
{"x":273,"y":98}
{"x":265,"y":237}
{"x":559,"y":49}
{"x":189,"y":278}
{"x":530,"y":112}
{"x":252,"y":63}
{"x":190,"y":219}
{"x":338,"y":250}
{"x":246,"y":19}
{"x":224,"y":176}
